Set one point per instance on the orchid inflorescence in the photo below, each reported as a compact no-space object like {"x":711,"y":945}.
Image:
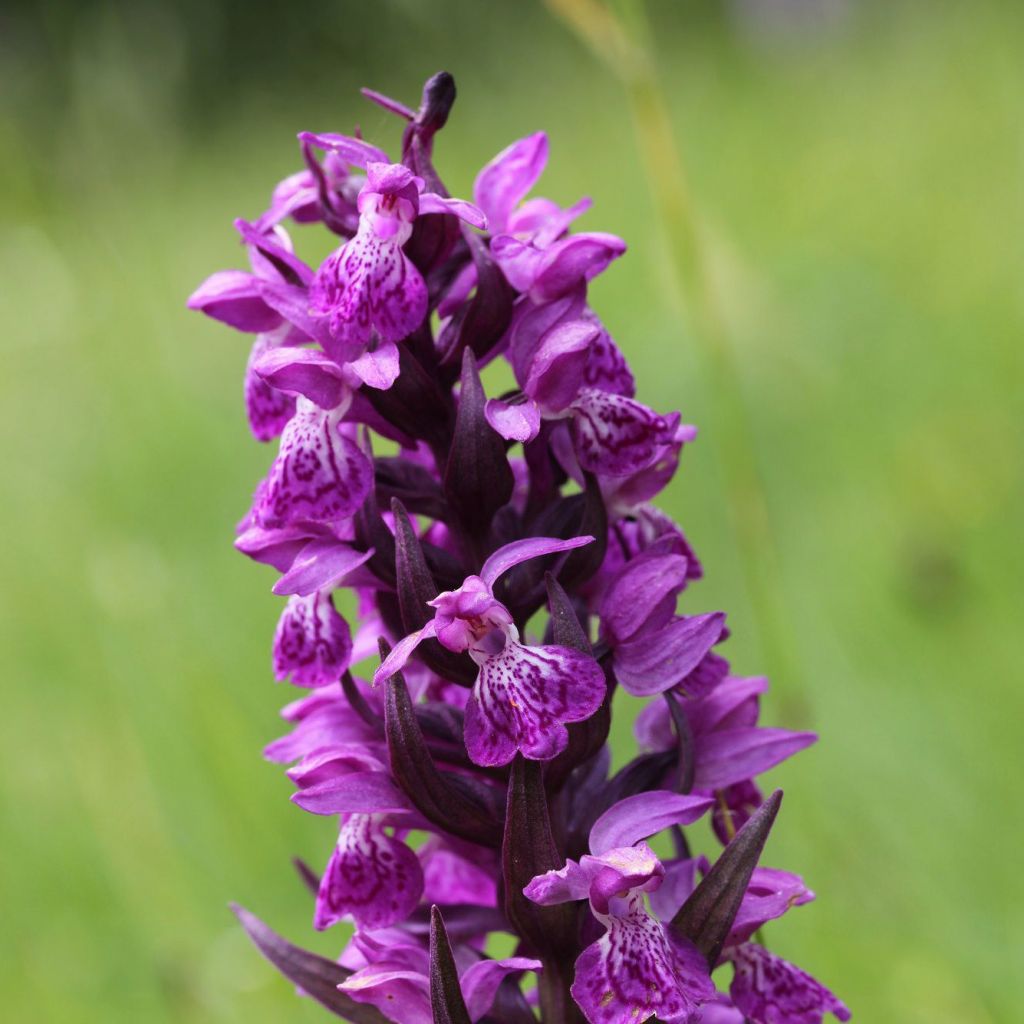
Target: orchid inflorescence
{"x":470,"y":776}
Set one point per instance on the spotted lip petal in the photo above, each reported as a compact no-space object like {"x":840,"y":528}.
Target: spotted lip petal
{"x":268,"y":409}
{"x":522,"y":699}
{"x":319,"y":474}
{"x":770,"y":990}
{"x":368,"y":284}
{"x":616,"y":436}
{"x":372,"y":876}
{"x":637,"y":970}
{"x":313,"y":643}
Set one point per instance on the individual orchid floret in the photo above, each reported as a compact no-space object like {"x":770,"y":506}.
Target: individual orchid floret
{"x":369,"y":284}
{"x":639,"y":968}
{"x":312,"y":644}
{"x":524,"y":695}
{"x":394,"y":976}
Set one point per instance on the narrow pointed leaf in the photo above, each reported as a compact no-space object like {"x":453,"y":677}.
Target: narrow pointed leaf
{"x":707,"y":915}
{"x":529,"y":850}
{"x":446,"y":1001}
{"x":566,"y":629}
{"x":584,"y":562}
{"x":414,"y":403}
{"x":478,"y":479}
{"x":315,"y":975}
{"x":434,"y":796}
{"x":684,"y":742}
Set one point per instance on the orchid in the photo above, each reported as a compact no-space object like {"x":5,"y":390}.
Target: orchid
{"x":509,"y":573}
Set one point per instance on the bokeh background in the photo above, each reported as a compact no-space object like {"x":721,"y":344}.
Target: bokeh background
{"x":855,"y":171}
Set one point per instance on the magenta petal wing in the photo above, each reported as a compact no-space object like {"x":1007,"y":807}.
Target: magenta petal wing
{"x":522,"y":699}
{"x":644,"y":815}
{"x":506,"y":180}
{"x":373,"y":877}
{"x":728,"y":756}
{"x":656,"y":661}
{"x":234,"y":298}
{"x":303,"y":371}
{"x":321,"y":565}
{"x":319,"y":474}
{"x":519,"y":551}
{"x":514,"y":421}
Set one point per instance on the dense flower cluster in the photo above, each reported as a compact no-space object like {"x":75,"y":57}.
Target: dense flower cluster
{"x":509,"y":574}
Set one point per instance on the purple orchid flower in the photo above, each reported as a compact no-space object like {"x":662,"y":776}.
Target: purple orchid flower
{"x":470,"y":798}
{"x":524,"y":695}
{"x":639,"y":968}
{"x":369,"y":284}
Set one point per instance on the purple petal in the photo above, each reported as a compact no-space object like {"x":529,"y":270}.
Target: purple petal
{"x":373,"y":877}
{"x":268,"y":409}
{"x":402,"y":994}
{"x":522,"y":699}
{"x":353,"y":151}
{"x":234,"y":298}
{"x":303,"y":371}
{"x":518,"y":551}
{"x":431,"y":202}
{"x":370,"y":792}
{"x":519,"y":261}
{"x":680,"y":880}
{"x":319,"y":474}
{"x":321,"y":565}
{"x":770,"y":893}
{"x":655,"y":661}
{"x":636,"y":971}
{"x":480,"y":982}
{"x":312,"y":644}
{"x":556,"y":370}
{"x":640,"y":587}
{"x":731,"y":704}
{"x":731,"y":755}
{"x":607,"y":369}
{"x":377,"y":368}
{"x":507,"y":179}
{"x":514,"y":421}
{"x":573,"y":260}
{"x":617,"y":436}
{"x":271,"y":260}
{"x":644,"y":815}
{"x":770,"y":990}
{"x":402,"y":652}
{"x":562,"y":886}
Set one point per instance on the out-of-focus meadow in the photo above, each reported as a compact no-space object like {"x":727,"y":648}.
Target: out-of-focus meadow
{"x":856,"y":170}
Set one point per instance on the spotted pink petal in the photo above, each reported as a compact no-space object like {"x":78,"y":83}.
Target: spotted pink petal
{"x":372,"y":876}
{"x":268,"y":409}
{"x":368,"y":284}
{"x":522,"y":699}
{"x":319,"y":473}
{"x":638,"y":970}
{"x":617,"y":436}
{"x":770,"y":990}
{"x":313,"y":643}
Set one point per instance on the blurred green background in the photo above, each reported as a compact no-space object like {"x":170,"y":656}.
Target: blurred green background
{"x":856,"y":169}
